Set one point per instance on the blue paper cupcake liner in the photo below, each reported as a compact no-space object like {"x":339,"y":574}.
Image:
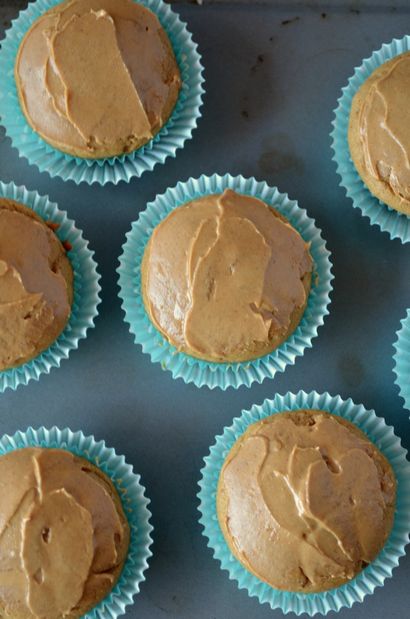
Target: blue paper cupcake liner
{"x":170,"y":138}
{"x":134,"y":502}
{"x":372,"y":576}
{"x":396,"y":224}
{"x":193,"y":370}
{"x":402,"y":360}
{"x":86,"y":289}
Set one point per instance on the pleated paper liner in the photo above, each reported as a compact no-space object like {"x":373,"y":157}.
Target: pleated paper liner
{"x":402,"y":360}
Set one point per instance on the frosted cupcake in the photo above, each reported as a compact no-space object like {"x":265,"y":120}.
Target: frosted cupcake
{"x":36,"y":284}
{"x":97,"y":78}
{"x":226,"y":278}
{"x":305,"y":500}
{"x":64,"y":535}
{"x":379,"y":132}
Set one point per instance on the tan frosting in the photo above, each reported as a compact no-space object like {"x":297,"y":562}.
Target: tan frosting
{"x":35,"y":285}
{"x":225,"y":277}
{"x":385,"y":128}
{"x":305,"y":500}
{"x":63,"y":535}
{"x":97,"y":78}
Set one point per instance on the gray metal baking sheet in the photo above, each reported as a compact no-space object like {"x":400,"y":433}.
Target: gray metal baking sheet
{"x":274,"y":71}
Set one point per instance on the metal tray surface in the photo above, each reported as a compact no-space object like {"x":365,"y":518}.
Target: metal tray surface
{"x":274,"y":71}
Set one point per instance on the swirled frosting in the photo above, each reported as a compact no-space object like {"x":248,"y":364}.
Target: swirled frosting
{"x":305,"y":500}
{"x":97,"y":78}
{"x":384,"y":125}
{"x":63,"y":534}
{"x":35,"y":285}
{"x":225,"y":277}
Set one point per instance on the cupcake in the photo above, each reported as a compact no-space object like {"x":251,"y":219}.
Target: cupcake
{"x":36,"y":284}
{"x":64,"y":535}
{"x":318,"y":489}
{"x":226,"y":277}
{"x":192,"y":281}
{"x":305,"y":500}
{"x":97,"y":78}
{"x":126,"y":96}
{"x":379,"y":134}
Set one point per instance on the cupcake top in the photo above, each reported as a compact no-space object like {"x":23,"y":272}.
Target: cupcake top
{"x":379,"y":132}
{"x":226,"y":277}
{"x":36,"y":284}
{"x":97,"y":78}
{"x":63,"y":534}
{"x":305,"y":500}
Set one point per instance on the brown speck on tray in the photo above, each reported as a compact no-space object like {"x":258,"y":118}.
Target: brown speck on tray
{"x":323,"y":15}
{"x":245,"y":113}
{"x":355,"y":11}
{"x":259,"y":60}
{"x":286,"y":22}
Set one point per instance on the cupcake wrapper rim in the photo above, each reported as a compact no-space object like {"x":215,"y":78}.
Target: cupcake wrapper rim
{"x":402,"y":360}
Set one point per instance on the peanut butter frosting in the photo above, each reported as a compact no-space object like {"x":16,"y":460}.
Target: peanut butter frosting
{"x":97,"y":78}
{"x":384,"y":131}
{"x":63,"y":535}
{"x":36,"y":285}
{"x":305,"y":500}
{"x":226,"y":277}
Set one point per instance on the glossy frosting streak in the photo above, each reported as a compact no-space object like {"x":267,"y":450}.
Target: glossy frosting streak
{"x":97,"y":76}
{"x":34,"y":299}
{"x":223,"y":275}
{"x":385,"y":127}
{"x":306,"y":502}
{"x":59,"y":530}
